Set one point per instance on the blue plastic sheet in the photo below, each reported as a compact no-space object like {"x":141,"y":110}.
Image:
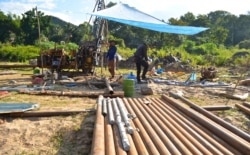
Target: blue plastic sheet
{"x":17,"y":107}
{"x":125,"y":14}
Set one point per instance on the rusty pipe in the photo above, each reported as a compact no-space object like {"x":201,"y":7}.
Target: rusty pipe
{"x":109,"y":139}
{"x":215,"y":118}
{"x":238,"y":143}
{"x":165,"y":127}
{"x":187,"y":123}
{"x":117,"y":140}
{"x":98,"y":147}
{"x":146,"y":145}
{"x":188,"y":136}
{"x":151,"y":132}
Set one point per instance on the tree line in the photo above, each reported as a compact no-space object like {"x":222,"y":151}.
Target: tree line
{"x":225,"y":29}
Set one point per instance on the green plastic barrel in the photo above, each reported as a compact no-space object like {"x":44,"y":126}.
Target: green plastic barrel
{"x":36,"y":71}
{"x":128,"y":87}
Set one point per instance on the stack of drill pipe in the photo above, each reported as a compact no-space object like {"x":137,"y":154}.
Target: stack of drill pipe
{"x":173,"y":132}
{"x":214,"y":118}
{"x":157,"y":141}
{"x":98,"y":147}
{"x":234,"y":141}
{"x":141,"y":148}
{"x":175,"y":119}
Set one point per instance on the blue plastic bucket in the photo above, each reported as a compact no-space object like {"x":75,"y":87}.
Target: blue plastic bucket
{"x":128,"y":87}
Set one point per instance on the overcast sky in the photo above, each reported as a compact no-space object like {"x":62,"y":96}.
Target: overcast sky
{"x":75,"y":11}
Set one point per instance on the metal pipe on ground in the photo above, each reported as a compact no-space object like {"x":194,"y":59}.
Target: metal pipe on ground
{"x":243,"y":108}
{"x":46,"y":113}
{"x":124,"y":114}
{"x":214,"y":118}
{"x":141,"y":148}
{"x":150,"y":131}
{"x":117,"y":140}
{"x":187,"y":123}
{"x":121,"y":128}
{"x":104,"y":107}
{"x":110,"y":89}
{"x":193,"y":140}
{"x":110,"y":112}
{"x":98,"y":146}
{"x":232,"y":139}
{"x":177,"y":140}
{"x":109,"y":139}
{"x":247,"y":104}
{"x":184,"y":140}
{"x":217,"y":108}
{"x":132,"y":150}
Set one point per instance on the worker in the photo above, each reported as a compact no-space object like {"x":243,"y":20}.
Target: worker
{"x":111,"y":57}
{"x":141,"y":59}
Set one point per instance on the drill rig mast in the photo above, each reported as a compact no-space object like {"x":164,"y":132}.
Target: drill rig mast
{"x":87,"y":56}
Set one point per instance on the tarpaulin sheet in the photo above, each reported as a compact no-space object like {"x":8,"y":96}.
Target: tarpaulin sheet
{"x":17,"y":107}
{"x":125,"y":14}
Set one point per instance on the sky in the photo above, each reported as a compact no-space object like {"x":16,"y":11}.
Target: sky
{"x":76,"y":11}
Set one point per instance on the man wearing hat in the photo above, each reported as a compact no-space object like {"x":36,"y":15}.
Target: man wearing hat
{"x":111,"y":58}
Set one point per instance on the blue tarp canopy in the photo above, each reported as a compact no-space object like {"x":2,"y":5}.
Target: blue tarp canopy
{"x":125,"y":14}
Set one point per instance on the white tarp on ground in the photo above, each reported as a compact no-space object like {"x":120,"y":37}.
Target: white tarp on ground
{"x":125,"y":14}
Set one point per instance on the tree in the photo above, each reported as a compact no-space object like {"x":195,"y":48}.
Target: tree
{"x":29,"y":25}
{"x":8,"y":28}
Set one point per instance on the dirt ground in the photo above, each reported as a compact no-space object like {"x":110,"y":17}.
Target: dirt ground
{"x":72,"y":135}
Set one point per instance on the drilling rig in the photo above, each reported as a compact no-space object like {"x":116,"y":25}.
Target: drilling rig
{"x":86,"y":58}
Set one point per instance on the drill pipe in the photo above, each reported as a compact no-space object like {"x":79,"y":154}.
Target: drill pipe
{"x":157,"y":124}
{"x":121,"y":128}
{"x":110,"y":112}
{"x":232,"y":139}
{"x":109,"y":139}
{"x":123,"y":111}
{"x":117,"y":139}
{"x":191,"y":139}
{"x":132,"y":150}
{"x":215,"y":118}
{"x":98,"y":147}
{"x":104,"y":107}
{"x":153,"y":135}
{"x":135,"y":136}
{"x":175,"y":136}
{"x":186,"y":123}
